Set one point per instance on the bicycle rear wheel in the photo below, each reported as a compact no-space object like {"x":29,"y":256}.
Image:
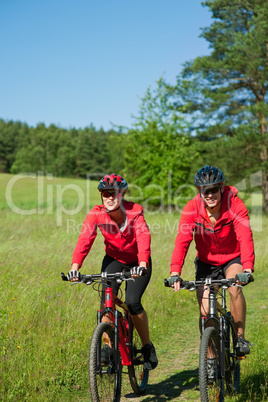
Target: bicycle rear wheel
{"x":138,"y":377}
{"x":211,"y":389}
{"x":105,"y":379}
{"x":232,"y":364}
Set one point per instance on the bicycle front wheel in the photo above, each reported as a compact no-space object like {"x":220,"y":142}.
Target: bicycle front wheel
{"x":210,"y":384}
{"x":105,"y":376}
{"x":138,"y":377}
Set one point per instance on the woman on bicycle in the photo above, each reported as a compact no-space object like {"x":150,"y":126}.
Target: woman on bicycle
{"x":127,"y":245}
{"x":218,"y":220}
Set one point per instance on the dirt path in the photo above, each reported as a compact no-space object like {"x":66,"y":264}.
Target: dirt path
{"x":175,"y":378}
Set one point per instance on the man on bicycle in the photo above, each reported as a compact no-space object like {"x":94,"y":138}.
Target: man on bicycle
{"x":218,"y":220}
{"x":127,"y":246}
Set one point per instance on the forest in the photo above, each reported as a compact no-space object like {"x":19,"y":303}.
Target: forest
{"x":215,"y":114}
{"x":57,"y":151}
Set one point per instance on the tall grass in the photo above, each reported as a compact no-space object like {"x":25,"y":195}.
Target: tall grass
{"x":46,"y":325}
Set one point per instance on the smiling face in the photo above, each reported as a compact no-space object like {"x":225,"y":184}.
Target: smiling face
{"x":111,"y":200}
{"x":211,"y":195}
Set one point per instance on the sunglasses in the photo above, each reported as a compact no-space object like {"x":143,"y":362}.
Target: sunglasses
{"x":108,"y":194}
{"x":211,"y":190}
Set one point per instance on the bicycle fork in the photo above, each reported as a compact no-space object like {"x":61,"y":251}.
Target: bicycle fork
{"x":116,"y":339}
{"x":120,"y":330}
{"x":109,"y":308}
{"x":222,"y":348}
{"x":213,"y":314}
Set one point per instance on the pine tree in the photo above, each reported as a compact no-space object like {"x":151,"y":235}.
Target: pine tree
{"x":227,"y":90}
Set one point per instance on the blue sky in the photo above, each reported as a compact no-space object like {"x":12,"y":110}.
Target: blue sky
{"x":79,"y":62}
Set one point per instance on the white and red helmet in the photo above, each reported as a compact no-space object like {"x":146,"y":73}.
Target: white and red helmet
{"x":113,"y":182}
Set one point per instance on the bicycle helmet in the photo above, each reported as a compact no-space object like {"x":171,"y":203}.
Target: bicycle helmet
{"x":113,"y":182}
{"x":208,"y":175}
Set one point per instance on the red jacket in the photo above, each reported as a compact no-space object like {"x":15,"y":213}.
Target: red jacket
{"x":229,"y":238}
{"x":129,"y":247}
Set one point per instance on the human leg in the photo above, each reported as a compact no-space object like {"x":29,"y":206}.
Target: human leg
{"x":237,"y":301}
{"x":238,"y":311}
{"x":203,"y":302}
{"x":141,"y":324}
{"x":134,"y":292}
{"x":204,"y":270}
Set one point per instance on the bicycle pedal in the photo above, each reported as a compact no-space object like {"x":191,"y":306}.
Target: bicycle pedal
{"x":241,"y":357}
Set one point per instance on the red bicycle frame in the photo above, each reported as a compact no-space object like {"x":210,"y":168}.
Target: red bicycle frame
{"x":121,"y":324}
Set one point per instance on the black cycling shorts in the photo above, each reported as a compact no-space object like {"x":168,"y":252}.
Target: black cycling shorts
{"x":204,"y":270}
{"x":134,"y":289}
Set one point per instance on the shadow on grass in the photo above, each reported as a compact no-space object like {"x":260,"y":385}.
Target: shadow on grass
{"x":253,"y":388}
{"x":170,"y":388}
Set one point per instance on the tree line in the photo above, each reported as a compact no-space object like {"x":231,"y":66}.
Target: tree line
{"x":215,"y":114}
{"x":54,"y":150}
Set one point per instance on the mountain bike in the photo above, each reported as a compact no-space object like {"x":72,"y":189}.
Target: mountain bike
{"x":124,"y":344}
{"x":219,"y":366}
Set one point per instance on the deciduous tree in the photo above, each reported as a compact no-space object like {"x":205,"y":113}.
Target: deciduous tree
{"x":159,"y":151}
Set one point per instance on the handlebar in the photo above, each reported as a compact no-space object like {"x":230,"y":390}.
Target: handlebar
{"x":103,"y":277}
{"x":192,"y":285}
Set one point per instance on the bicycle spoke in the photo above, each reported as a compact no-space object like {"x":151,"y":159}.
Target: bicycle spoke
{"x":104,"y":377}
{"x":232,"y":373}
{"x":210,"y":383}
{"x":138,"y":377}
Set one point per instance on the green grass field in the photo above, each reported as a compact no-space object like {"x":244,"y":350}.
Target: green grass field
{"x":46,"y":325}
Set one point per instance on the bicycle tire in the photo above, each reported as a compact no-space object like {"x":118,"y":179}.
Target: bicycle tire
{"x":210,"y":391}
{"x":138,"y":377}
{"x":105,"y":380}
{"x":237,"y":378}
{"x":232,"y":373}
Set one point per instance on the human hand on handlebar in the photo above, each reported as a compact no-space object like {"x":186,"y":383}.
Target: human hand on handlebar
{"x":136,"y":272}
{"x":174,"y":281}
{"x":74,"y":274}
{"x":244,"y":278}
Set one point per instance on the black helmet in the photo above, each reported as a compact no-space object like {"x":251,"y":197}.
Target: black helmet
{"x":113,"y":182}
{"x":208,"y":175}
